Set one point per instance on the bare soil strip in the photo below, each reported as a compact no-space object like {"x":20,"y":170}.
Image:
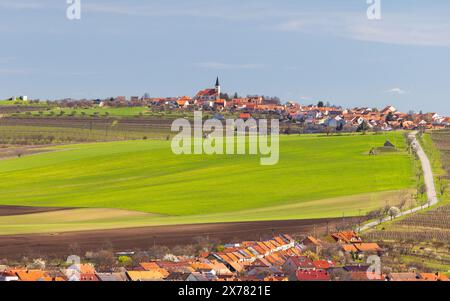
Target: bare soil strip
{"x":20,"y":210}
{"x":64,"y":244}
{"x":15,"y":151}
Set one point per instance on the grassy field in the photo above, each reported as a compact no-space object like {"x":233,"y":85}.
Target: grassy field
{"x":316,"y":177}
{"x":96,"y":219}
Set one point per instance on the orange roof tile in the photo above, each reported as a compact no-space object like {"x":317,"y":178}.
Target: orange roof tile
{"x":32,"y":275}
{"x":349,"y":248}
{"x":367,"y":247}
{"x":145,"y":275}
{"x":434,"y":277}
{"x":149,"y":265}
{"x":87,"y":268}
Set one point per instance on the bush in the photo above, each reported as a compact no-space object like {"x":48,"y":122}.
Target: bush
{"x":125,"y":261}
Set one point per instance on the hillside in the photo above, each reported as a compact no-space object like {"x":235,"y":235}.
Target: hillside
{"x":317,"y":176}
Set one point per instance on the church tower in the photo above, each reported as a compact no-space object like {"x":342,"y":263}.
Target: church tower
{"x":217,"y":88}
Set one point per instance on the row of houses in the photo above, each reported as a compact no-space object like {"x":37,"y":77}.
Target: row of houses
{"x":278,"y":259}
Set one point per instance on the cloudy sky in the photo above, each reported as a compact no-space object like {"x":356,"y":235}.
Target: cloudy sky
{"x":298,"y":50}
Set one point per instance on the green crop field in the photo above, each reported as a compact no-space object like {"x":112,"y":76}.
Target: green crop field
{"x":317,"y":176}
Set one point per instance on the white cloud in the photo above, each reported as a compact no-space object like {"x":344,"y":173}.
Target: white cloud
{"x":12,"y":71}
{"x":397,"y":91}
{"x":399,"y":29}
{"x":16,"y":4}
{"x":224,"y":66}
{"x":416,"y":28}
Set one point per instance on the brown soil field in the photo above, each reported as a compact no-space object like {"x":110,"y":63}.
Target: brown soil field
{"x":84,"y":122}
{"x":63,"y":129}
{"x":62,"y":244}
{"x":20,"y":210}
{"x":20,"y":109}
{"x":9,"y":151}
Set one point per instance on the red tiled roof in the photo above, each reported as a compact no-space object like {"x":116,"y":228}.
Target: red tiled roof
{"x":323,"y":264}
{"x":312,"y":275}
{"x":302,"y":262}
{"x":88,"y":277}
{"x":346,"y":236}
{"x":207,"y":92}
{"x":349,"y":248}
{"x":367,"y":247}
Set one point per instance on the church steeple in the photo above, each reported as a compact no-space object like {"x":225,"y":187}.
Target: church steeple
{"x":217,"y":88}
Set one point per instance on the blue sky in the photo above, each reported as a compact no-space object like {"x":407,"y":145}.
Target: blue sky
{"x":298,"y":50}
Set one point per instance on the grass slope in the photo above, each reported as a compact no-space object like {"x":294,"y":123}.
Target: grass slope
{"x":146,"y":176}
{"x":96,"y":219}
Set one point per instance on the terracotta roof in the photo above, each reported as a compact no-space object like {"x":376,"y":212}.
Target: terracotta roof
{"x":88,"y":277}
{"x":312,"y":275}
{"x":207,"y":92}
{"x":32,"y":275}
{"x":245,"y":116}
{"x":434,"y":277}
{"x":302,"y":262}
{"x":346,"y":236}
{"x":149,"y":265}
{"x":153,"y":266}
{"x":349,"y":248}
{"x":280,"y":240}
{"x":87,"y":268}
{"x":313,"y":240}
{"x":367,"y":247}
{"x":144,"y":275}
{"x":323,"y":264}
{"x":404,"y":277}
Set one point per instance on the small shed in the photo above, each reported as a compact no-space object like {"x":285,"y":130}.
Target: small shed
{"x":389,"y":144}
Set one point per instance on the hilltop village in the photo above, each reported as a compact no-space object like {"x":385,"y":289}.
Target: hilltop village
{"x":312,"y":118}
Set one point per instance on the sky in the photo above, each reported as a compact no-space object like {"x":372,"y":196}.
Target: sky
{"x":304,"y":51}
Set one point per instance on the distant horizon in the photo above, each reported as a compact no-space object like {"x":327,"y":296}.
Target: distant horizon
{"x":282,"y":101}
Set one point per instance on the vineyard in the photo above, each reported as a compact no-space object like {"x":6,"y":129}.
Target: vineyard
{"x":423,"y":239}
{"x":433,"y":225}
{"x":442,"y":141}
{"x":438,"y":218}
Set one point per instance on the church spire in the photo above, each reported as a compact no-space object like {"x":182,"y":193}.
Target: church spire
{"x":217,"y":89}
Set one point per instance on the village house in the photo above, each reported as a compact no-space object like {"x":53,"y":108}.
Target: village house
{"x":209,"y":95}
{"x":112,"y":277}
{"x":346,"y":237}
{"x":295,"y":263}
{"x":312,"y":275}
{"x":8,"y":276}
{"x":280,"y":258}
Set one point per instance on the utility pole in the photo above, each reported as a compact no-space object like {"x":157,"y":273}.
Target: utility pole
{"x":359,"y":221}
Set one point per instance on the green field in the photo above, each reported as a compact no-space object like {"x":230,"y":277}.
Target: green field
{"x":317,"y":176}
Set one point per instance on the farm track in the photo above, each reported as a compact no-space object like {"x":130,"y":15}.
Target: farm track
{"x":62,"y":244}
{"x":429,"y":183}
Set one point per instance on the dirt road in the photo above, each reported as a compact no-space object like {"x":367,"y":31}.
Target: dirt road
{"x":429,"y":183}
